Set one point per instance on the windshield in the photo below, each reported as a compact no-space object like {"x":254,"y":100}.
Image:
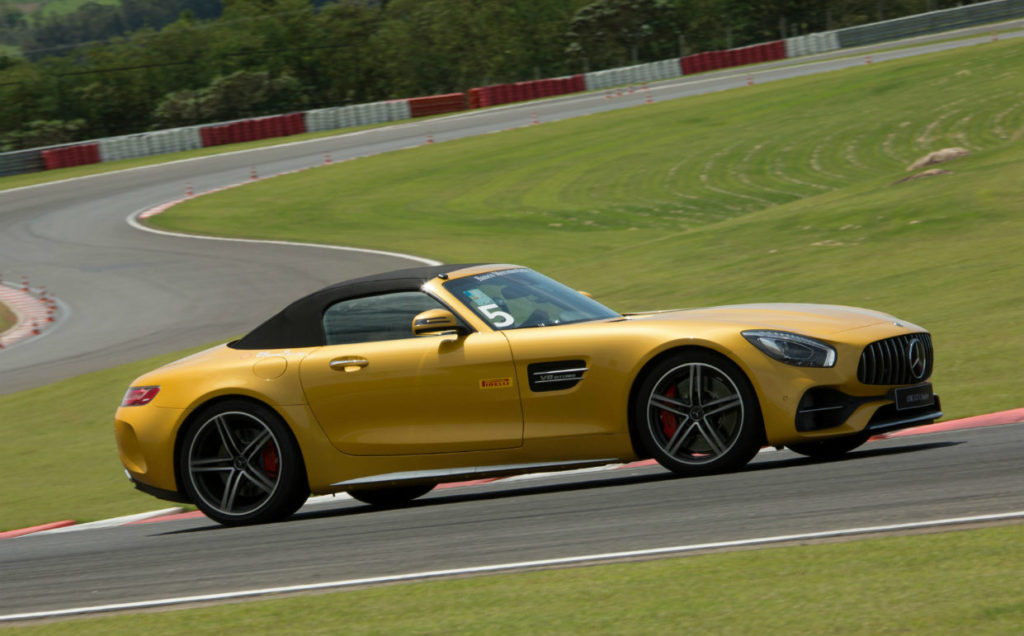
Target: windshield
{"x":515,"y":298}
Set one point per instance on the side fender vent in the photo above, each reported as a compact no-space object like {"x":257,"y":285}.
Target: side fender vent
{"x":555,"y":376}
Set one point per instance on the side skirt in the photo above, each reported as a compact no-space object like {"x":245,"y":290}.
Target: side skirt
{"x":469,"y":472}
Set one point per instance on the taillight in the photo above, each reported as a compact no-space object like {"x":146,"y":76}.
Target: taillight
{"x":140,"y":395}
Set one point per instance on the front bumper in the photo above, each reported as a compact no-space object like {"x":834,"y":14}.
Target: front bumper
{"x":145,"y":442}
{"x":159,"y":493}
{"x":887,"y":418}
{"x":822,"y":409}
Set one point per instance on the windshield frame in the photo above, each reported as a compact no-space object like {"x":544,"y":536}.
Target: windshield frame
{"x":519,"y":297}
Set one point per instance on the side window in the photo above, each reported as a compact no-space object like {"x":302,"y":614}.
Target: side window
{"x":372,"y":318}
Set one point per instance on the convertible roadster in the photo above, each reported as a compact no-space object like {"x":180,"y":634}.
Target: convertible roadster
{"x":387,"y":385}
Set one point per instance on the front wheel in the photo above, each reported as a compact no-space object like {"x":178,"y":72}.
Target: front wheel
{"x":240,"y":465}
{"x":696,"y":414}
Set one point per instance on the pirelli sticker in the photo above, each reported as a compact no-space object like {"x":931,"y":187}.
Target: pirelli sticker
{"x":496,"y":383}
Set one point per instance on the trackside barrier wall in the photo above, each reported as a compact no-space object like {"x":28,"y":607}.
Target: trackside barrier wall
{"x":253,"y":129}
{"x":21,"y":162}
{"x":932,"y":22}
{"x":398,"y":110}
{"x":498,"y":94}
{"x":151,"y":143}
{"x":437,"y":104}
{"x":812,"y":44}
{"x":715,"y":60}
{"x":336,"y":117}
{"x":69,"y":156}
{"x":637,"y":74}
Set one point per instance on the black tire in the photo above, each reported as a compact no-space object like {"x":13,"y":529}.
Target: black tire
{"x":391,"y":497}
{"x":697,"y":414}
{"x":240,"y":464}
{"x":830,"y":448}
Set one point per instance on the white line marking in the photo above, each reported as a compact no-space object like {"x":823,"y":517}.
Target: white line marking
{"x":134,"y":222}
{"x":506,"y":567}
{"x":113,"y":522}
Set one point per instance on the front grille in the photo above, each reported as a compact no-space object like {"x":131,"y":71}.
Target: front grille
{"x":901,"y":360}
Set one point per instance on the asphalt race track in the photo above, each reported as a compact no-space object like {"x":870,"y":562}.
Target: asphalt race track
{"x":131,"y":294}
{"x":916,"y":478}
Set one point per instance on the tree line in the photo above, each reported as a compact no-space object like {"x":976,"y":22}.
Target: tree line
{"x":110,"y":69}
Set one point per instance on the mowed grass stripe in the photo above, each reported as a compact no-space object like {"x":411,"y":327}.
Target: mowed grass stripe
{"x":726,"y":153}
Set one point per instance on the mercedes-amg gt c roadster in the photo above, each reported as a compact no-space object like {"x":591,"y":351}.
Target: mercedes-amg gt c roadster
{"x":386,"y":386}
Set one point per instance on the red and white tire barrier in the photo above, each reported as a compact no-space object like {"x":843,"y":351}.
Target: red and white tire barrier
{"x":32,"y":312}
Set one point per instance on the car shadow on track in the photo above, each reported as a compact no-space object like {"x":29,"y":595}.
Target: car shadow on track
{"x":790,"y":458}
{"x":601,"y":480}
{"x":493,"y":491}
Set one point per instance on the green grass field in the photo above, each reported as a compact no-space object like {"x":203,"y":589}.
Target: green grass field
{"x":69,"y":440}
{"x":776,"y":192}
{"x":6,"y":318}
{"x":950,"y":583}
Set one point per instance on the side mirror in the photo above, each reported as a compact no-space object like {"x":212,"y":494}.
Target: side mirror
{"x":433,"y":321}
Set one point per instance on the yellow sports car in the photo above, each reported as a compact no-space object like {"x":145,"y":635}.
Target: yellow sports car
{"x":387,"y":385}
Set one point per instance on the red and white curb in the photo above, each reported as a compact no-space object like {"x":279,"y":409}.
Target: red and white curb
{"x":172,"y":514}
{"x":34,"y":312}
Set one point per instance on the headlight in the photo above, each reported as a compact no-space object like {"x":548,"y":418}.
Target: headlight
{"x":792,"y":348}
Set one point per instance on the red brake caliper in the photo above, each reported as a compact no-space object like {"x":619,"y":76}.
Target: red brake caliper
{"x":270,"y":460}
{"x":669,"y":422}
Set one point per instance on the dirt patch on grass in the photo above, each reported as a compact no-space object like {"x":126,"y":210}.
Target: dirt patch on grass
{"x":939,"y":156}
{"x":934,"y":172}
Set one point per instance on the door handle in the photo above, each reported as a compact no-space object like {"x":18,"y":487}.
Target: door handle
{"x":349,"y":364}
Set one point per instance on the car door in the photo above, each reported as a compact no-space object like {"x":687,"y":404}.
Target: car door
{"x":378,"y":390}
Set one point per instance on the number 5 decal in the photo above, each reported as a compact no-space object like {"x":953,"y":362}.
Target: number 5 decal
{"x":498,"y":317}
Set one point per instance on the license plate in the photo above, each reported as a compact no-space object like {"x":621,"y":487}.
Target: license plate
{"x":913,"y":397}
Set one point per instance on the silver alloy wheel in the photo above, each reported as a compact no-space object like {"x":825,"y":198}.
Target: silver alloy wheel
{"x":234,"y":463}
{"x":695,"y":413}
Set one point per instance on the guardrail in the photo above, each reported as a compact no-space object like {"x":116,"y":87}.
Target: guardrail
{"x":931,"y":22}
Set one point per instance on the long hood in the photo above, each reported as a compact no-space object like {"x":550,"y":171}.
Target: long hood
{"x":820,"y":320}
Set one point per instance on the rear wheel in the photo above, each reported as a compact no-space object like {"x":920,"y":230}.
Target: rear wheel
{"x":830,"y":448}
{"x":696,"y":413}
{"x":391,"y":497}
{"x":241,"y":465}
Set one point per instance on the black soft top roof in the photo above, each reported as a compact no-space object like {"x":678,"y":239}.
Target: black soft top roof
{"x":300,"y":323}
